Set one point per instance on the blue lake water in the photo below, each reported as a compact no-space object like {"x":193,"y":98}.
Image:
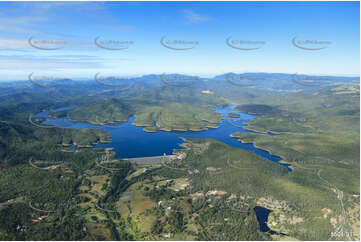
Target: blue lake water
{"x":130,"y":141}
{"x":262,"y":217}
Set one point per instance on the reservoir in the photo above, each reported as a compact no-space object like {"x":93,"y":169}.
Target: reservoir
{"x":262,"y":217}
{"x":130,"y":141}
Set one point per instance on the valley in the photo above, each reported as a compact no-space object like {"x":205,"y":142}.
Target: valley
{"x":276,"y":167}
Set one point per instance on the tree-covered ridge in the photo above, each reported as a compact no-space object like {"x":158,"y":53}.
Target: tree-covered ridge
{"x":152,"y":114}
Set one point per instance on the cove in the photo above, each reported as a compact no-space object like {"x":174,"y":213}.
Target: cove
{"x":130,"y":141}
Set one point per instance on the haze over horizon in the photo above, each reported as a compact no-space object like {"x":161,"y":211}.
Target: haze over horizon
{"x":148,"y":32}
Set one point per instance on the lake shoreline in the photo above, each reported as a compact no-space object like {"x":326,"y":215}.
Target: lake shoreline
{"x":270,"y":151}
{"x":130,"y":139}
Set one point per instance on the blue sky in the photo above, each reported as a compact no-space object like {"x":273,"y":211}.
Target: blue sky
{"x":332,"y":26}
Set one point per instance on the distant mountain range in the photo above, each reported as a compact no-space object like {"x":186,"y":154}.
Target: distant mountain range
{"x":112,"y":86}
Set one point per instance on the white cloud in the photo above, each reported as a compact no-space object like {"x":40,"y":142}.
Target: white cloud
{"x":29,"y":62}
{"x":20,"y":24}
{"x":193,"y":17}
{"x":13,"y":43}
